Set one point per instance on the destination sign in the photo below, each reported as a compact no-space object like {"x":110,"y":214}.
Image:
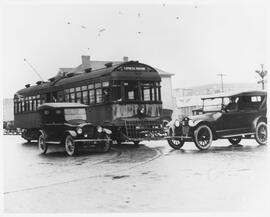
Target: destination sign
{"x":134,"y":68}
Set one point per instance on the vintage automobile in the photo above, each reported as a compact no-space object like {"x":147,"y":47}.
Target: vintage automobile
{"x":65,"y":123}
{"x":231,"y":116}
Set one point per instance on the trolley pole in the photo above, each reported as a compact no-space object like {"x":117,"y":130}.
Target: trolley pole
{"x":221,"y":79}
{"x":262,"y":74}
{"x":32,"y":67}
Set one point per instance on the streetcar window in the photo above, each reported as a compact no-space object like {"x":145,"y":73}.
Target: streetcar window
{"x":91,"y":86}
{"x":78,"y":89}
{"x":72,"y":97}
{"x":131,"y":94}
{"x":97,"y":85}
{"x":153,"y":94}
{"x":116,"y":91}
{"x":105,"y":94}
{"x":84,"y":87}
{"x":98,"y":95}
{"x":78,"y":97}
{"x":71,"y":90}
{"x":105,"y":84}
{"x":131,"y":90}
{"x":91,"y":96}
{"x":85,"y":97}
{"x":66,"y":97}
{"x":146,"y":94}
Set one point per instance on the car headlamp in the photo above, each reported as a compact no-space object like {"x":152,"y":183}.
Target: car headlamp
{"x":79,"y":130}
{"x":177,"y":123}
{"x":99,"y":129}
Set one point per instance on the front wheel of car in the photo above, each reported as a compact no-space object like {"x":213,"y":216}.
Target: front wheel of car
{"x":175,"y":143}
{"x":261,"y":133}
{"x":235,"y":140}
{"x":42,"y":146}
{"x":70,"y":146}
{"x":203,"y":137}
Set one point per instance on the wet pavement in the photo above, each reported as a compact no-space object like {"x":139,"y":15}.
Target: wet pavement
{"x":149,"y":178}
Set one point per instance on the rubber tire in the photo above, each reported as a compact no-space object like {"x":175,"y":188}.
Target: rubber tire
{"x":196,"y":132}
{"x":256,"y":133}
{"x":235,"y":140}
{"x":70,"y":152}
{"x":43,"y":149}
{"x":172,"y":144}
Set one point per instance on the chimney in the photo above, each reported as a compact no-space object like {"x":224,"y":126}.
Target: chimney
{"x":86,"y":62}
{"x":125,"y":59}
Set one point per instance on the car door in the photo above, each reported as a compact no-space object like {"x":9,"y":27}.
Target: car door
{"x":229,"y":123}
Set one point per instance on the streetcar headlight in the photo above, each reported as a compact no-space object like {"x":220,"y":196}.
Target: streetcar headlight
{"x":99,"y":129}
{"x":177,"y":123}
{"x":79,"y":130}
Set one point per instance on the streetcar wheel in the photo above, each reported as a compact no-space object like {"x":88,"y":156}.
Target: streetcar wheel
{"x":235,"y":140}
{"x":70,"y":146}
{"x":175,"y":143}
{"x":261,"y":133}
{"x":42,"y":144}
{"x":203,"y":137}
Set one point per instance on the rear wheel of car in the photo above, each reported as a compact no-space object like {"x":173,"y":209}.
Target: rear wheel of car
{"x":235,"y":140}
{"x":70,"y":145}
{"x":175,"y":143}
{"x":42,"y":146}
{"x":261,"y":133}
{"x":203,"y":137}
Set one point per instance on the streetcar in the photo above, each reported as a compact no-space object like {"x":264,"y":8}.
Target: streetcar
{"x":125,"y":98}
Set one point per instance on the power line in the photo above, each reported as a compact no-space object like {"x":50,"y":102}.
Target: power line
{"x":221,"y":78}
{"x":32,"y":67}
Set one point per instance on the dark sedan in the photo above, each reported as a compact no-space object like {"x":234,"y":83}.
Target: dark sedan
{"x":66,"y":123}
{"x":234,"y":117}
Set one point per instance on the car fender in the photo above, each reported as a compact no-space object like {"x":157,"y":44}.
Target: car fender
{"x":71,"y":132}
{"x":256,"y":120}
{"x":43,"y":133}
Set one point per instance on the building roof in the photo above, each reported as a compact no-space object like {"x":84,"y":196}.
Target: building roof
{"x":61,"y":105}
{"x":163,"y":73}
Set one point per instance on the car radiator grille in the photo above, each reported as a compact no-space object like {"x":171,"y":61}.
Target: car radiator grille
{"x":144,"y":129}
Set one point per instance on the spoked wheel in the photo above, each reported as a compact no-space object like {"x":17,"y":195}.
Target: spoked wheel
{"x":70,"y":146}
{"x":106,"y":144}
{"x":203,"y":137}
{"x":175,"y":143}
{"x":235,"y":140}
{"x":261,"y":133}
{"x":42,"y":144}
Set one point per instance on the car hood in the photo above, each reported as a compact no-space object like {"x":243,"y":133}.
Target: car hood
{"x":205,"y":117}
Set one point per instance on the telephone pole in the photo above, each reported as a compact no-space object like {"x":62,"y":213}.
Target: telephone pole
{"x":221,"y":78}
{"x":32,"y":67}
{"x":262,"y":74}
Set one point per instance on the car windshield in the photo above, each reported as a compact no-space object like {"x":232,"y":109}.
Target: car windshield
{"x":75,"y":114}
{"x":215,"y":104}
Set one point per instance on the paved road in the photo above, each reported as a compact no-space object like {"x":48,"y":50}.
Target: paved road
{"x":149,"y":178}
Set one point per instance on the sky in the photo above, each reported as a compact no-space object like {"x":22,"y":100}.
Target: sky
{"x":195,"y":41}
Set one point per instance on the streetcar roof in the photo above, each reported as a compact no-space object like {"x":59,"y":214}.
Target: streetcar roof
{"x":112,"y":71}
{"x":236,"y":94}
{"x":61,"y":105}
